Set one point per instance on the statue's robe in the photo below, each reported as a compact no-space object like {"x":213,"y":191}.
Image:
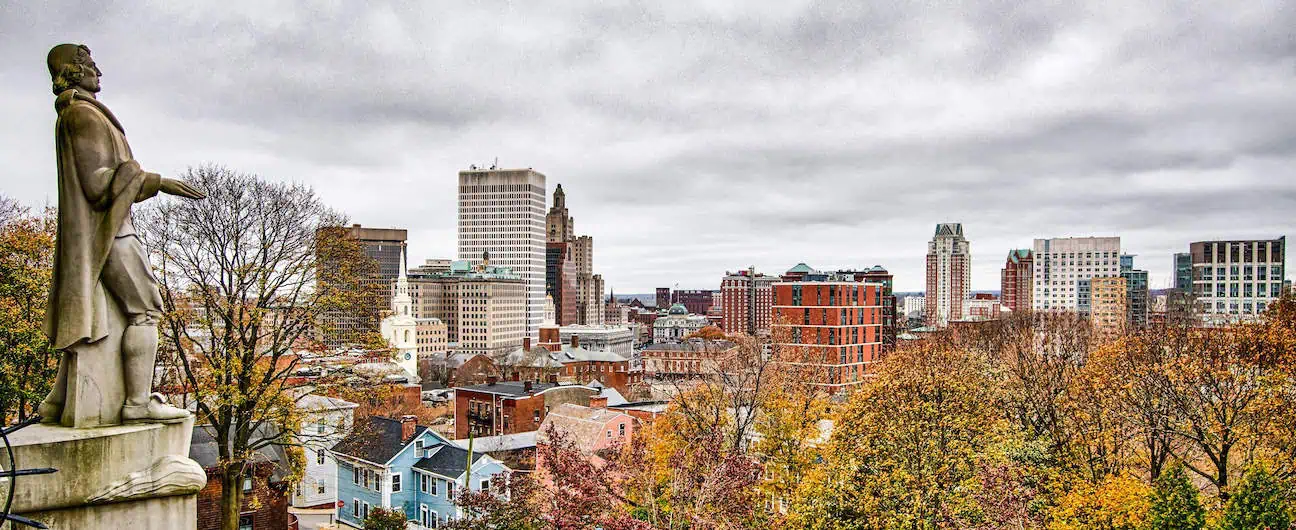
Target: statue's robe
{"x":98,"y":182}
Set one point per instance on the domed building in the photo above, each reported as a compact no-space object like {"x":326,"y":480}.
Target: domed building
{"x":677,"y":324}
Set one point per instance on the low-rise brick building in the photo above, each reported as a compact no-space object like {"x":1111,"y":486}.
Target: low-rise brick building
{"x":511,"y":407}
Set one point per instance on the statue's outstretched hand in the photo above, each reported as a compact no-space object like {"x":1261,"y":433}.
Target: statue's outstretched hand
{"x":180,"y":188}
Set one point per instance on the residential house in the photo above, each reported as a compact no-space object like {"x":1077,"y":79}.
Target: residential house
{"x":591,"y":430}
{"x":398,"y":464}
{"x":265,"y":488}
{"x":325,"y":422}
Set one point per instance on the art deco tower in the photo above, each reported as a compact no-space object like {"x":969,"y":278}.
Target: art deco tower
{"x":949,"y":275}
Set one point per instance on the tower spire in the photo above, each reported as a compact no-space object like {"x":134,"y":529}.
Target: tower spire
{"x":402,"y":302}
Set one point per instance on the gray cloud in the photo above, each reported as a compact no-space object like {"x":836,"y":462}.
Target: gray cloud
{"x":695,"y":137}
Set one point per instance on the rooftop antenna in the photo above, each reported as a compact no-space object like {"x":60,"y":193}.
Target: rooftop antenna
{"x":495,"y":164}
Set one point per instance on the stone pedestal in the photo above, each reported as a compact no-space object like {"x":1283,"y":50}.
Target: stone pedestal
{"x":124,"y":477}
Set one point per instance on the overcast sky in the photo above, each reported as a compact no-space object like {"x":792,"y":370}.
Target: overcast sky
{"x":695,"y":137}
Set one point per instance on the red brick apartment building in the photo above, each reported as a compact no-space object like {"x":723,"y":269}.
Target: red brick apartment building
{"x":745,"y":301}
{"x":838,"y":320}
{"x":1015,"y":280}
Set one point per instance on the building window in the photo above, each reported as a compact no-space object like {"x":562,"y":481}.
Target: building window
{"x":319,"y":456}
{"x":319,"y":486}
{"x":485,"y":484}
{"x":355,"y":475}
{"x":422,"y":482}
{"x":433,"y":483}
{"x":621,"y":429}
{"x":247,"y":484}
{"x":396,"y":483}
{"x":355,"y":508}
{"x":365,"y":512}
{"x":245,"y":522}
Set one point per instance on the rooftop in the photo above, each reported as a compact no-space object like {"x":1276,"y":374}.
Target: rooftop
{"x":585,"y":425}
{"x":510,"y":388}
{"x":376,"y":442}
{"x":504,"y":442}
{"x":447,"y":460}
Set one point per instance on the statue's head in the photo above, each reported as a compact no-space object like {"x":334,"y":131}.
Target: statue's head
{"x":71,"y":67}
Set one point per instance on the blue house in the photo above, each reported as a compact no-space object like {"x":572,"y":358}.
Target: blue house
{"x":386,"y":463}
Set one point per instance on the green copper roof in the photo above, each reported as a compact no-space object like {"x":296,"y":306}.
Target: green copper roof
{"x":800,"y":267}
{"x":1017,"y":255}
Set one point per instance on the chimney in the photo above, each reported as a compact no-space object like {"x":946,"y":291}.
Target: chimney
{"x":407,"y":427}
{"x":526,"y":387}
{"x":598,"y":402}
{"x":526,"y":344}
{"x":492,"y":379}
{"x":575,"y":341}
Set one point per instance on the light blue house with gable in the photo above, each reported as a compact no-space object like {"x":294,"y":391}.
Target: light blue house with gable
{"x":386,"y":463}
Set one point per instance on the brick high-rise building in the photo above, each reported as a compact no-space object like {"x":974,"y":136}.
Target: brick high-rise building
{"x":384,"y":246}
{"x":1238,"y":279}
{"x":747,"y":297}
{"x":1015,"y":280}
{"x":949,"y":275}
{"x":502,"y":211}
{"x":663,"y":298}
{"x":1064,"y":267}
{"x":834,"y":319}
{"x":697,"y":301}
{"x":890,"y":310}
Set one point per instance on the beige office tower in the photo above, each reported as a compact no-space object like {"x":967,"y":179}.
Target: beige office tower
{"x":502,"y":212}
{"x":1109,"y":304}
{"x":483,"y":307}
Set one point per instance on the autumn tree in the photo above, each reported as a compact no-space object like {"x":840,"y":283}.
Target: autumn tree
{"x":1176,"y":504}
{"x":1119,"y":502}
{"x":27,"y":362}
{"x":905,"y":448}
{"x":1225,"y":390}
{"x":242,"y":287}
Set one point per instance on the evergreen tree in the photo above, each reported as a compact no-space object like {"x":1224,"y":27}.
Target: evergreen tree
{"x":1260,"y":501}
{"x":1175,"y":503}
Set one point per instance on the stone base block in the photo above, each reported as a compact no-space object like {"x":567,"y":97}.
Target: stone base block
{"x":129,"y":477}
{"x":165,"y":513}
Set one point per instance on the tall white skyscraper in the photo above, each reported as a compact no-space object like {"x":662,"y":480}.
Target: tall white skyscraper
{"x":502,"y":211}
{"x":1064,"y":268}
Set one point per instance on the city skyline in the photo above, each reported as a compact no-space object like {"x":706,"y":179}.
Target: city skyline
{"x":767,"y":140}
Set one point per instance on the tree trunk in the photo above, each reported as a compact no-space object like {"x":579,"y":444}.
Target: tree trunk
{"x":231,"y":502}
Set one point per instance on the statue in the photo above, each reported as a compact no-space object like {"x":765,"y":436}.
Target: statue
{"x":104,"y":302}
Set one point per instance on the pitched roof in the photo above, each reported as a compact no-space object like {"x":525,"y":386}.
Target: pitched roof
{"x":316,"y":402}
{"x":1016,"y":255}
{"x":800,"y":267}
{"x":583,"y":425}
{"x":204,"y":450}
{"x":447,"y":460}
{"x":376,"y":442}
